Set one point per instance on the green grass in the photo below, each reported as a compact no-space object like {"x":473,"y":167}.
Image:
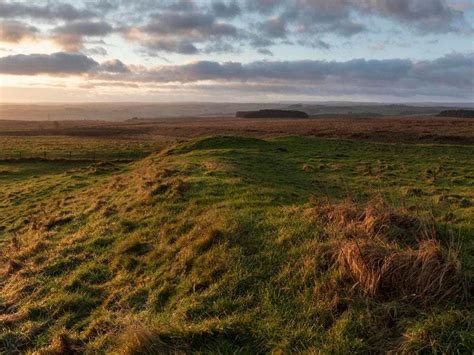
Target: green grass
{"x":78,"y":148}
{"x":212,"y":246}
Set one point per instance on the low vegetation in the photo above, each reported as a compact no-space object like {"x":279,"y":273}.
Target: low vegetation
{"x":457,"y":113}
{"x":272,"y":114}
{"x":231,"y":244}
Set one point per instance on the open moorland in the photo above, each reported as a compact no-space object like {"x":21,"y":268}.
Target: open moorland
{"x":224,"y":235}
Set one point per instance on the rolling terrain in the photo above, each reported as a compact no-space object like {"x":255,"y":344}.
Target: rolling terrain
{"x":238,"y":244}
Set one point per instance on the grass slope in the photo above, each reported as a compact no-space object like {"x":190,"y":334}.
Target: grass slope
{"x":224,"y":244}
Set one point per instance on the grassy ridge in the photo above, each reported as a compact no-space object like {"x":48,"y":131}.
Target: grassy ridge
{"x":219,"y":245}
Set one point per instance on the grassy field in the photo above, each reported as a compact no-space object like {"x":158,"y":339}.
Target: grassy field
{"x":236,"y":244}
{"x":77,"y":148}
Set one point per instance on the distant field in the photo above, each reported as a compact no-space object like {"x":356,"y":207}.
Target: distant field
{"x":75,"y":148}
{"x":386,"y":129}
{"x":231,"y":244}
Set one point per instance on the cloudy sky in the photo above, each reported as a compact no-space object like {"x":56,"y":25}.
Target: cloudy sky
{"x":228,"y":50}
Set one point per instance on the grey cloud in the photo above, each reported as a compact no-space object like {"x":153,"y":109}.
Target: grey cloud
{"x":388,"y":71}
{"x":264,"y":6}
{"x":171,"y":45}
{"x":226,"y":10}
{"x":337,"y":16}
{"x":15,"y":32}
{"x":85,"y":28}
{"x":315,"y":43}
{"x":184,"y":33}
{"x":220,"y":47}
{"x":274,"y":28}
{"x":456,"y":70}
{"x":96,"y":51}
{"x":194,"y":24}
{"x":71,"y":36}
{"x":265,"y":51}
{"x":56,"y":63}
{"x":60,"y":63}
{"x":51,"y":11}
{"x":449,"y":76}
{"x":114,"y":66}
{"x":425,"y":15}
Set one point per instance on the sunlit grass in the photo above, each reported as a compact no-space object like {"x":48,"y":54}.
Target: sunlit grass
{"x":219,"y":245}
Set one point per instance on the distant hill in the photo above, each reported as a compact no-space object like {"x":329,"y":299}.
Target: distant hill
{"x":457,"y":113}
{"x":122,"y":111}
{"x":272,"y":114}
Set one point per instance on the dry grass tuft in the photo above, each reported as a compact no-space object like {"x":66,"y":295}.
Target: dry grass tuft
{"x":9,"y":319}
{"x":371,"y":221}
{"x":391,"y":253}
{"x":386,"y":271}
{"x":144,"y":341}
{"x":63,"y":344}
{"x":216,"y":166}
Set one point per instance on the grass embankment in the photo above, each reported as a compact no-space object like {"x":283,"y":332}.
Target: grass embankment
{"x":237,"y":244}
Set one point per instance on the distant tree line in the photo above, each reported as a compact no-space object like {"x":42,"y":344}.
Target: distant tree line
{"x":457,"y":113}
{"x":272,"y":114}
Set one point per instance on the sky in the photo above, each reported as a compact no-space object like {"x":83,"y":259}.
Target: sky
{"x":237,"y":51}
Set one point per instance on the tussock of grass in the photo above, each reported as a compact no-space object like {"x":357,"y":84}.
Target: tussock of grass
{"x":391,"y":253}
{"x":385,"y":271}
{"x":376,"y":218}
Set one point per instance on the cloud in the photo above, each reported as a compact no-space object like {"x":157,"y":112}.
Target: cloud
{"x":427,"y":16}
{"x":86,"y":28}
{"x":339,"y":16}
{"x":114,"y":66}
{"x":16,"y":32}
{"x":274,"y":28}
{"x":451,"y":76}
{"x":95,"y":51}
{"x":57,"y":64}
{"x":455,"y":70}
{"x":226,"y":10}
{"x":265,"y":51}
{"x":192,"y":27}
{"x":169,"y":45}
{"x":215,"y":26}
{"x":181,"y":32}
{"x":71,"y":35}
{"x":51,"y":11}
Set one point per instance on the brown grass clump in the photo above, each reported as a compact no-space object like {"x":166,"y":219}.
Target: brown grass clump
{"x":390,"y":253}
{"x":145,"y":341}
{"x":63,"y":344}
{"x":386,"y":271}
{"x":9,"y":319}
{"x":375,"y":219}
